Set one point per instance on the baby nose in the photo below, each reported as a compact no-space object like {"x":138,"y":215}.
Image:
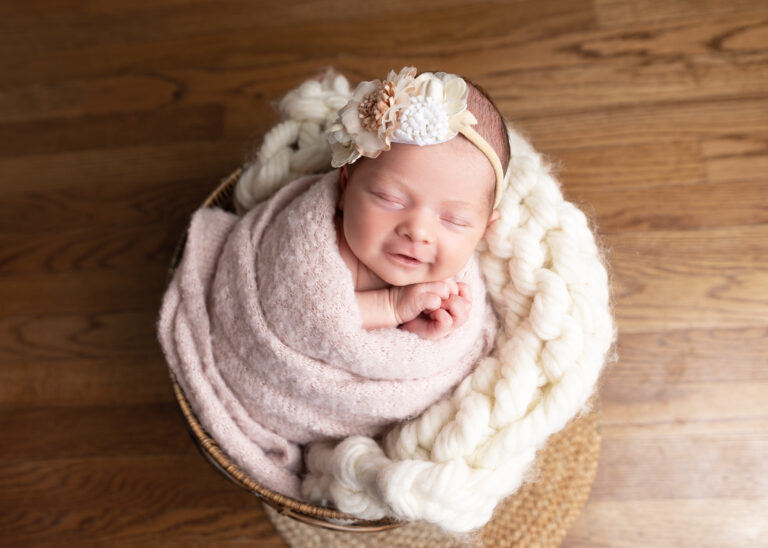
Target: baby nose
{"x":418,"y":228}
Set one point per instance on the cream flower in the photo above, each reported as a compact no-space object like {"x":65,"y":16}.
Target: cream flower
{"x":367,"y":121}
{"x":423,"y":110}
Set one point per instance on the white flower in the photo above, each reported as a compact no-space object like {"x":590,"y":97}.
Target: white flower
{"x":437,"y":112}
{"x":423,"y":110}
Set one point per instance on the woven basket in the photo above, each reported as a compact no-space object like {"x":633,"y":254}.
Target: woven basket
{"x":539,"y":513}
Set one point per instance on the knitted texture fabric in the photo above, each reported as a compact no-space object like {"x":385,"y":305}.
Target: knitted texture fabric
{"x":261,"y":328}
{"x":548,"y":285}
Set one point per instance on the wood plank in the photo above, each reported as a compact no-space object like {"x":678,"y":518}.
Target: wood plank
{"x":725,"y":123}
{"x":87,"y":292}
{"x":136,"y":186}
{"x":78,"y":249}
{"x":670,"y":280}
{"x":129,"y":497}
{"x":666,"y":435}
{"x":690,"y":355}
{"x":151,"y":482}
{"x":675,"y":522}
{"x":699,"y":74}
{"x":549,"y":72}
{"x":631,"y":166}
{"x":729,"y":167}
{"x":671,"y":207}
{"x":275,"y":46}
{"x":50,"y":432}
{"x":60,"y":337}
{"x":115,"y":379}
{"x":236,"y":525}
{"x":578,"y":534}
{"x":662,"y":402}
{"x":148,"y":127}
{"x":95,"y":24}
{"x":642,"y":13}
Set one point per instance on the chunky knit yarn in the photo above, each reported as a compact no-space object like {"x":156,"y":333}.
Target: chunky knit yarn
{"x":547,"y":282}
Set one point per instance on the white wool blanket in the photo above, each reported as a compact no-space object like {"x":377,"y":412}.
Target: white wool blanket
{"x":452,"y":465}
{"x":261,"y":328}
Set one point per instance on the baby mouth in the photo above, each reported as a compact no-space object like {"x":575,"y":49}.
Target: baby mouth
{"x":405,"y":259}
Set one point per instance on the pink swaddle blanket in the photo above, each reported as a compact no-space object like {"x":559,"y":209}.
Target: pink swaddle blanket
{"x":261,"y":328}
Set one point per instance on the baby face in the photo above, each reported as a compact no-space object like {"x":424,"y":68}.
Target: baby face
{"x":416,"y":213}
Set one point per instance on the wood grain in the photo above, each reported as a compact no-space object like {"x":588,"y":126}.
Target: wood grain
{"x":118,"y":118}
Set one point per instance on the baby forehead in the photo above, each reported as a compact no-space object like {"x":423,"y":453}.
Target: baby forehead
{"x":458,"y":155}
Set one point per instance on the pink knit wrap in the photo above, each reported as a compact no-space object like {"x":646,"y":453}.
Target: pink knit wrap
{"x":261,"y":328}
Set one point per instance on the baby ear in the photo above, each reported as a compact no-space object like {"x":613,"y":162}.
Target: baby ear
{"x":495,"y":215}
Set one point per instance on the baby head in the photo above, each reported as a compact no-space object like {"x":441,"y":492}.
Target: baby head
{"x":414,"y":213}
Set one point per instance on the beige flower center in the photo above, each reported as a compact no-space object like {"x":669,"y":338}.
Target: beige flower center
{"x":374,"y":105}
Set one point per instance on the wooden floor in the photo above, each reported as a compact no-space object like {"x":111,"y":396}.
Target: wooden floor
{"x":118,"y":118}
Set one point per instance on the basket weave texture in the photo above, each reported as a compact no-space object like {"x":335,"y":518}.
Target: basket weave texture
{"x":539,"y":514}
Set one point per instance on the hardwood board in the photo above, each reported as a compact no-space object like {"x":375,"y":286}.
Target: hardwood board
{"x":688,"y":407}
{"x":582,"y":69}
{"x":111,"y":248}
{"x":671,"y":280}
{"x":86,"y":432}
{"x":150,"y":482}
{"x":616,"y":13}
{"x":691,"y":355}
{"x":114,"y":499}
{"x":91,"y":132}
{"x":88,"y":292}
{"x":276,"y":44}
{"x":115,"y":379}
{"x":732,"y":124}
{"x":680,"y":207}
{"x":61,"y":337}
{"x":136,"y":186}
{"x":677,"y":522}
{"x":632,"y":166}
{"x":236,"y":525}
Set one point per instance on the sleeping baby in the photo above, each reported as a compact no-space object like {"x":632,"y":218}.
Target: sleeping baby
{"x":410,"y":220}
{"x":348,"y":301}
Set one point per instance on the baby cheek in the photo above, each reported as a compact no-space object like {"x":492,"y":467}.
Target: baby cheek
{"x":375,"y":225}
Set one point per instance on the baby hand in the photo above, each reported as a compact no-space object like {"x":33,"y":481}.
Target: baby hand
{"x":433,"y":309}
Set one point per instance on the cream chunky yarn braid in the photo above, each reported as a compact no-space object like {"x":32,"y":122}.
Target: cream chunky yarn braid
{"x":548,"y":285}
{"x":297,"y":145}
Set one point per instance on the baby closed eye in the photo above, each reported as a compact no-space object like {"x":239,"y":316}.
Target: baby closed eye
{"x":392,"y":201}
{"x":457,"y":222}
{"x":387,"y":199}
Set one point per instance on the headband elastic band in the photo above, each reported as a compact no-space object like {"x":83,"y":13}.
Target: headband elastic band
{"x":486,"y":149}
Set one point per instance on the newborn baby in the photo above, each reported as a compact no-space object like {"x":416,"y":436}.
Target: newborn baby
{"x":260,"y":321}
{"x":410,"y":219}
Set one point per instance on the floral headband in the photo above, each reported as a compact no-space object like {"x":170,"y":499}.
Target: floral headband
{"x":422,"y":110}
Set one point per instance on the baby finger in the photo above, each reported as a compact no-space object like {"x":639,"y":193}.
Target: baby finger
{"x":439,"y":288}
{"x":430,"y":302}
